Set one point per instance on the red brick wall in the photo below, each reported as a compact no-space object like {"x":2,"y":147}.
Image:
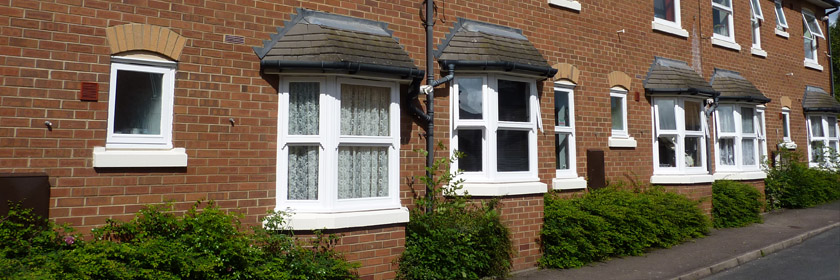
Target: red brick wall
{"x":48,"y":47}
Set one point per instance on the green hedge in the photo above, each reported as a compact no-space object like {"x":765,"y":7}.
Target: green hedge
{"x":793,"y":184}
{"x":735,"y":204}
{"x":614,"y":222}
{"x":203,"y":244}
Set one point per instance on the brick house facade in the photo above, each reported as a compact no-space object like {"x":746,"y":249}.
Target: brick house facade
{"x":226,"y":112}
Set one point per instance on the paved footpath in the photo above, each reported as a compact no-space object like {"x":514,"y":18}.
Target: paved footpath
{"x":722,"y":249}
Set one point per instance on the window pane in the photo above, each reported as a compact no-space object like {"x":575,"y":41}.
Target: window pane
{"x":512,"y":149}
{"x":513,"y":101}
{"x":747,"y":120}
{"x":692,"y":152}
{"x":780,"y":16}
{"x":470,"y":143}
{"x":721,"y":22}
{"x":692,"y":115}
{"x":722,"y":2}
{"x":817,"y":151}
{"x":667,"y":151}
{"x":785,"y":126}
{"x":755,"y":8}
{"x":760,"y":125}
{"x":664,"y":9}
{"x":809,"y":52}
{"x":362,"y":172}
{"x":561,"y":108}
{"x":304,"y":108}
{"x":726,"y":118}
{"x":303,"y":173}
{"x":470,"y":97}
{"x":812,"y":24}
{"x":832,"y":127}
{"x":833,"y":146}
{"x":727,"y":151}
{"x":561,"y":146}
{"x":667,"y":116}
{"x":816,"y":127}
{"x":748,"y":151}
{"x":617,"y":109}
{"x":364,"y":110}
{"x":755,"y":32}
{"x":137,"y":108}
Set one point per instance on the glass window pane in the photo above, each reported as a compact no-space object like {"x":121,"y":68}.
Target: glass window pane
{"x":664,"y":9}
{"x":833,"y":146}
{"x":832,"y":127}
{"x":303,"y":173}
{"x":817,"y":151}
{"x":755,"y":32}
{"x":785,"y":126}
{"x":722,"y":2}
{"x":561,"y":108}
{"x":470,"y":97}
{"x":760,"y":125}
{"x":812,"y":24}
{"x":512,"y":150}
{"x":726,"y":151}
{"x":513,"y":101}
{"x":617,"y":109}
{"x":667,"y":115}
{"x":304,"y":108}
{"x":780,"y":16}
{"x":692,"y":152}
{"x":748,"y":151}
{"x":755,"y":8}
{"x":726,"y":117}
{"x":747,"y":120}
{"x":816,"y":127}
{"x":362,"y":172}
{"x":137,"y":108}
{"x":470,"y":143}
{"x":720,"y":19}
{"x":561,"y":146}
{"x":809,"y":51}
{"x":667,"y":151}
{"x":365,"y":110}
{"x":692,"y":115}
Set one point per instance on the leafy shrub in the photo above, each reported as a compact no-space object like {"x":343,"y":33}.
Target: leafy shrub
{"x":452,"y":238}
{"x":791,"y":184}
{"x":735,"y":204}
{"x":615,"y":222}
{"x":205,"y":244}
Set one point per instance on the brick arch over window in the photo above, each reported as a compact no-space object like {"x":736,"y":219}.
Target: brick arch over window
{"x":567,"y":71}
{"x":619,"y":79}
{"x":145,"y":37}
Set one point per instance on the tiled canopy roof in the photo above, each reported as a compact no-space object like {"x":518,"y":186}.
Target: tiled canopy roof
{"x":817,"y":100}
{"x":313,"y":36}
{"x":675,"y":77}
{"x":483,"y":45}
{"x":732,"y":86}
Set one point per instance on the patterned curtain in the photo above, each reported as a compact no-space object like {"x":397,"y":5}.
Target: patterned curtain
{"x":363,"y":170}
{"x":364,"y":110}
{"x":303,"y":160}
{"x":303,"y":108}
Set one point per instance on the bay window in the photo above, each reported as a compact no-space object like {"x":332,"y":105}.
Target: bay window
{"x":823,"y":139}
{"x":740,"y":137}
{"x":680,"y":133}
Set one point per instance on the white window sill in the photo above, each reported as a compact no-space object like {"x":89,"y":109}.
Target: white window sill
{"x":740,"y":176}
{"x":788,"y":145}
{"x":568,"y":4}
{"x":568,"y":184}
{"x":503,"y":189}
{"x":621,"y":142}
{"x":782,"y":33}
{"x":103,"y":157}
{"x":724,"y":43}
{"x":314,"y":221}
{"x":681,"y":179}
{"x":813,"y":65}
{"x":666,"y":28}
{"x":758,"y":52}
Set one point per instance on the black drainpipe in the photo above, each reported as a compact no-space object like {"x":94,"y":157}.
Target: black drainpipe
{"x":430,"y":100}
{"x":828,"y":42}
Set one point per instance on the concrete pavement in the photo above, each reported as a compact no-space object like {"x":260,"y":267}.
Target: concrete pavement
{"x":722,"y":249}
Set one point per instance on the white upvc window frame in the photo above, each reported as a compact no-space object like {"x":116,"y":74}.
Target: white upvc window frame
{"x":489,"y":125}
{"x":756,"y":17}
{"x":568,"y":4}
{"x":729,"y":20}
{"x":671,"y":27}
{"x":761,"y":127}
{"x":163,"y":141}
{"x":757,"y":136}
{"x":569,"y":131}
{"x":812,"y":63}
{"x":328,"y":141}
{"x":620,"y":93}
{"x":781,"y":20}
{"x":828,"y":141}
{"x":786,"y":125}
{"x":681,"y":134}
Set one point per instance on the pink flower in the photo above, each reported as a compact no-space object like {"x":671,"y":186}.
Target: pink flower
{"x":69,"y":240}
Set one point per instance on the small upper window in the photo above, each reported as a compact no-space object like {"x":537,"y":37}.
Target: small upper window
{"x":786,"y":125}
{"x":811,"y":23}
{"x":755,"y":18}
{"x":810,"y":31}
{"x":722,"y":19}
{"x":666,"y":17}
{"x":140,"y":103}
{"x":781,"y":21}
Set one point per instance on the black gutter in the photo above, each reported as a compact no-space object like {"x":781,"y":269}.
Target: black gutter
{"x":830,"y":57}
{"x":543,"y":71}
{"x":751,"y":99}
{"x":822,"y":109}
{"x":682,"y":91}
{"x":834,"y":3}
{"x":352,"y":67}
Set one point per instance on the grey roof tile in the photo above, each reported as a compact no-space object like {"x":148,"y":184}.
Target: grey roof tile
{"x":479,"y":41}
{"x":733,"y":86}
{"x":817,"y":100}
{"x":675,"y":77}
